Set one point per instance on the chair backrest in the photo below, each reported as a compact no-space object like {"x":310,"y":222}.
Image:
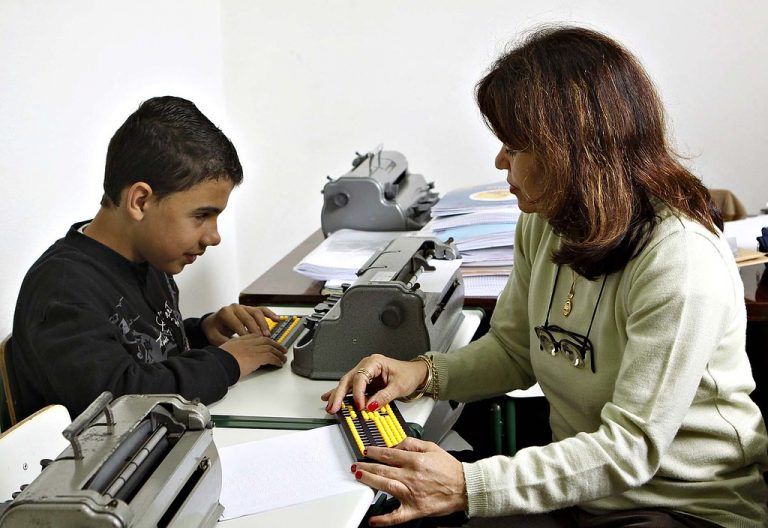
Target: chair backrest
{"x":7,"y":410}
{"x":25,"y":444}
{"x":730,"y":206}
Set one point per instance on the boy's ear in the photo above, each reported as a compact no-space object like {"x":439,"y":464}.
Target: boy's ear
{"x":136,"y":198}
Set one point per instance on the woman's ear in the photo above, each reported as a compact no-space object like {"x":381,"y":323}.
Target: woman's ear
{"x":137,"y":196}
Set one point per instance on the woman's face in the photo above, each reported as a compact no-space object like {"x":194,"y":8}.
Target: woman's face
{"x":523,"y":175}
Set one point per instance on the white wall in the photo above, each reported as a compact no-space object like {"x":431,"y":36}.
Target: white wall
{"x":299,"y":86}
{"x":314,"y":83}
{"x":71,"y":73}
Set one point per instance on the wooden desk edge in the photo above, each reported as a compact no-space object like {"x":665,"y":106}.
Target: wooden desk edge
{"x":280,"y":285}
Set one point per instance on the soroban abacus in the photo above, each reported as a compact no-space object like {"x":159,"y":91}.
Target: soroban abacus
{"x":383,"y":427}
{"x":286,"y":330}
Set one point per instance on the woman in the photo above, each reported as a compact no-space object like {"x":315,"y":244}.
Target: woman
{"x":625,"y":305}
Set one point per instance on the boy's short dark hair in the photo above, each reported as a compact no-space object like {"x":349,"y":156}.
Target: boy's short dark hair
{"x":169,"y":144}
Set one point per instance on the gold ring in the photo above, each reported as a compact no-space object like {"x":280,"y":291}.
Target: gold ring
{"x":365,"y":372}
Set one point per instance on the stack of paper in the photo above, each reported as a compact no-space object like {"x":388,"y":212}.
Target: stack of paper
{"x":481,"y":220}
{"x":344,"y":252}
{"x":742,"y":235}
{"x":484,"y":197}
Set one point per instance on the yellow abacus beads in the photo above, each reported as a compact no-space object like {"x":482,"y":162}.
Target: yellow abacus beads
{"x":391,"y":431}
{"x":397,"y":433}
{"x":382,"y":429}
{"x":362,"y":428}
{"x":393,"y":434}
{"x":292,"y":325}
{"x":400,"y":432}
{"x":355,"y":435}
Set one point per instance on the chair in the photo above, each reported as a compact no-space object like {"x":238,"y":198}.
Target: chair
{"x":7,"y":409}
{"x":28,"y":442}
{"x":504,"y":419}
{"x":730,"y":206}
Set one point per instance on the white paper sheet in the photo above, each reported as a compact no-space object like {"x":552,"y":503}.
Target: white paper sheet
{"x":285,"y":470}
{"x":484,"y":285}
{"x":746,"y":231}
{"x":344,"y":252}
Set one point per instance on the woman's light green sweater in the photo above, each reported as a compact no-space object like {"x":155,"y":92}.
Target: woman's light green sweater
{"x":665,"y":421}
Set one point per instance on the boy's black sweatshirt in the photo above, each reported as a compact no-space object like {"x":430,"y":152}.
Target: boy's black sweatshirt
{"x":89,"y":320}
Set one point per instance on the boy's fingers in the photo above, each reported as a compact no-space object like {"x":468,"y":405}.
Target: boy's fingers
{"x":253,"y":319}
{"x":279,"y":354}
{"x":276,"y":360}
{"x":217,"y":338}
{"x":268,"y":313}
{"x":228,"y":318}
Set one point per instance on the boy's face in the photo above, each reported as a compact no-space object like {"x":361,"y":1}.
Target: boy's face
{"x":176,"y":229}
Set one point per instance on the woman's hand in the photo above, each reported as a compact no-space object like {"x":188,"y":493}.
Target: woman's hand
{"x":237,"y":319}
{"x":388,"y":378}
{"x":425,"y":479}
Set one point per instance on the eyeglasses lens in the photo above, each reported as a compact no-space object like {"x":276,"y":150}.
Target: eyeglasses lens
{"x":573,"y":352}
{"x":546,"y":342}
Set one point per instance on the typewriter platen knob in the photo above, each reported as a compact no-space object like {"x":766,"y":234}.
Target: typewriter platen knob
{"x":390,"y":192}
{"x":391,"y":316}
{"x":340,"y":199}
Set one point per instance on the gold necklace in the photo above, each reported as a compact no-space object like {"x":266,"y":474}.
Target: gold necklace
{"x":568,"y":306}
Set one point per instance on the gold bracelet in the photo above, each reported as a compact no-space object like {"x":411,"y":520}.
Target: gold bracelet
{"x":418,"y":393}
{"x":435,"y":380}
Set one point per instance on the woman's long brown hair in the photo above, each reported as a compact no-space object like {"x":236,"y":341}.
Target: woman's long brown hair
{"x":586,"y":109}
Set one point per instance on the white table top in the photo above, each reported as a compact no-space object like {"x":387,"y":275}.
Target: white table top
{"x":281,"y":393}
{"x":343,"y":511}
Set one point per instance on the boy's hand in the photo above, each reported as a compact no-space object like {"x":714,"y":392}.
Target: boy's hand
{"x":252,"y":351}
{"x":237,"y":319}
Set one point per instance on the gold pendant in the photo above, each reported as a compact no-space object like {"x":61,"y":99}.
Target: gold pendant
{"x":568,"y":306}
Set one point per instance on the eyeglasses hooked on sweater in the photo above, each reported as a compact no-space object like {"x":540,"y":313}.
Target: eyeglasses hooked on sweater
{"x":576,"y":348}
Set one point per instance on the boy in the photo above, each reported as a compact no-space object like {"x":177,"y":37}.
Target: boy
{"x":99,"y":309}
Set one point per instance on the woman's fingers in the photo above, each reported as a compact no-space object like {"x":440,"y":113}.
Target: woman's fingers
{"x":426,"y":479}
{"x":387,"y":479}
{"x":381,"y":378}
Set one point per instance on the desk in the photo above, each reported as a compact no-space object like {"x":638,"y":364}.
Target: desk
{"x":755,"y":279}
{"x":280,"y":393}
{"x":281,"y":285}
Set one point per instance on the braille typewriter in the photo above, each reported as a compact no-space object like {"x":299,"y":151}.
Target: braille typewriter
{"x":406,"y":300}
{"x":150,"y":461}
{"x":378,"y":194}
